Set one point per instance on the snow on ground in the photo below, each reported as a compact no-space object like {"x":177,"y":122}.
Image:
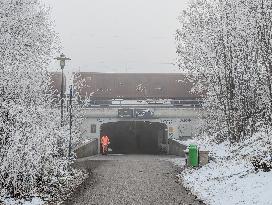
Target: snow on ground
{"x":34,"y":201}
{"x":229,"y":179}
{"x":178,"y":161}
{"x":229,"y":183}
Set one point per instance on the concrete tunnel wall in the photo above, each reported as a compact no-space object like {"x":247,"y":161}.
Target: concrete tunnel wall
{"x":93,"y":147}
{"x":183,"y":124}
{"x":135,"y":137}
{"x":178,"y":128}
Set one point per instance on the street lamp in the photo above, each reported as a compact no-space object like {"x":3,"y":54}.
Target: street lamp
{"x":62,"y":59}
{"x":70,"y":121}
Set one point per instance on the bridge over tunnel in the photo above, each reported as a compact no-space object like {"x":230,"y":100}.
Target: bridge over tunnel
{"x":135,"y":137}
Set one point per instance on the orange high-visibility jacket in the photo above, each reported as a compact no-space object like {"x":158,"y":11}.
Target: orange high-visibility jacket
{"x":105,"y":140}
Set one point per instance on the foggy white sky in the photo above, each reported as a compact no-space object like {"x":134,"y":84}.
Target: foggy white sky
{"x":118,"y":35}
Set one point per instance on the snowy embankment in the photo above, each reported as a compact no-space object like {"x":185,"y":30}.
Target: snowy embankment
{"x":230,"y":178}
{"x":68,"y":184}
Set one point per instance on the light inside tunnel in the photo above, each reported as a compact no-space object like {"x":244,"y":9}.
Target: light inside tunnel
{"x":137,"y":137}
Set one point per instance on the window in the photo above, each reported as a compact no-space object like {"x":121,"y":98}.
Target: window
{"x":93,"y":128}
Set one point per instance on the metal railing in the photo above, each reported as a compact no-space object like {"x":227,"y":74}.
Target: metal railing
{"x":142,"y":104}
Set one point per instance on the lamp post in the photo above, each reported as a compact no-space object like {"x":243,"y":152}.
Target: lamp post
{"x":70,"y":122}
{"x":62,"y":59}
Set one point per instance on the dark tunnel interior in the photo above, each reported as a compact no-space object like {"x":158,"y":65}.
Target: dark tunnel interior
{"x":135,"y":137}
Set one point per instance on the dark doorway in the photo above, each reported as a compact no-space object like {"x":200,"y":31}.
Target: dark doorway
{"x":138,"y":137}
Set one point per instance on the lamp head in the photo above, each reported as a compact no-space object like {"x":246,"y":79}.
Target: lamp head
{"x":62,"y":60}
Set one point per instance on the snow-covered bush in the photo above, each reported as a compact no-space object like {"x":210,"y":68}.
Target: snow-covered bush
{"x":264,"y":164}
{"x":79,"y":104}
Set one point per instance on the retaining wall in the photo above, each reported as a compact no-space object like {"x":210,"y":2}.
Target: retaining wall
{"x":176,"y":148}
{"x":87,"y":150}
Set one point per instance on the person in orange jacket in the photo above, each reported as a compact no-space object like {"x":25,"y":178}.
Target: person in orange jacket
{"x":105,"y":141}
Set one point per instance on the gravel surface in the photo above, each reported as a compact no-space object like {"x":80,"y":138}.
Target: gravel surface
{"x":132,"y":179}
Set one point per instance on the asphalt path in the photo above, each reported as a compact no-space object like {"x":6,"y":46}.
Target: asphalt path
{"x":131,"y":179}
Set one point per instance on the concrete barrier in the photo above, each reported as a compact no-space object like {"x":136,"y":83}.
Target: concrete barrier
{"x":88,"y":149}
{"x":203,"y":157}
{"x":176,"y":148}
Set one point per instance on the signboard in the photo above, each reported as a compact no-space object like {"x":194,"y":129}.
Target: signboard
{"x":171,"y":129}
{"x":144,"y":113}
{"x":125,"y":113}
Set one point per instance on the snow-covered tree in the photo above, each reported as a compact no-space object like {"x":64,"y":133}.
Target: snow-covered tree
{"x":32,"y":142}
{"x":226,"y":46}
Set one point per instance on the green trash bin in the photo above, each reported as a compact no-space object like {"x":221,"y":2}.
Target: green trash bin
{"x":193,"y":155}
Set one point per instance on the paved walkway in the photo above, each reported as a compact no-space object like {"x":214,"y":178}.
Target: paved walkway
{"x":132,"y":179}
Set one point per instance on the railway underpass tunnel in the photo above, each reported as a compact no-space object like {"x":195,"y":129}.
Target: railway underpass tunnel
{"x":135,"y":137}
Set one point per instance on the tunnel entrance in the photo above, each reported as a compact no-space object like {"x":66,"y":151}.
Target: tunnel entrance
{"x":137,"y":137}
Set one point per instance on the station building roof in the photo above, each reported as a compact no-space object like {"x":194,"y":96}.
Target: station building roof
{"x":104,"y":86}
